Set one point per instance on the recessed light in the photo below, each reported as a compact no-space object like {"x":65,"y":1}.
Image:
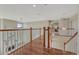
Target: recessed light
{"x":34,"y":5}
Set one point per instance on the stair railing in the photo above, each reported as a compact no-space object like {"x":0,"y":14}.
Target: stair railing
{"x":72,"y":37}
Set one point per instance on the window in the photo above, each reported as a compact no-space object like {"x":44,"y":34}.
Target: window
{"x":19,"y":25}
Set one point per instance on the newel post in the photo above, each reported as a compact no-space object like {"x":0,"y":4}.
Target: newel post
{"x":30,"y":34}
{"x":49,"y":41}
{"x":43,"y":36}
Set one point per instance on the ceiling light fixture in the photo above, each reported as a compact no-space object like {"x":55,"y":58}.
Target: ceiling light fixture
{"x":34,"y":5}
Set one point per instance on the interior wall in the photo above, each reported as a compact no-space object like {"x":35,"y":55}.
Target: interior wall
{"x":78,"y":35}
{"x":63,"y":23}
{"x":72,"y":45}
{"x":37,"y":24}
{"x":1,"y":36}
{"x":70,"y":22}
{"x":9,"y":24}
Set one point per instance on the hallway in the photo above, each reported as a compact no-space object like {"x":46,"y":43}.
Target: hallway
{"x":58,"y":24}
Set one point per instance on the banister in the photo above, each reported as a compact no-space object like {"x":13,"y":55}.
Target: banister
{"x":71,"y":38}
{"x":16,"y":38}
{"x":19,"y":29}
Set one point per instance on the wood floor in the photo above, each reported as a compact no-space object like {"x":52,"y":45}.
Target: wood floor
{"x":36,"y":48}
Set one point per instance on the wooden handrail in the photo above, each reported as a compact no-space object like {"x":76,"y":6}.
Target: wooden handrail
{"x":13,"y":29}
{"x":19,"y":29}
{"x":71,"y":38}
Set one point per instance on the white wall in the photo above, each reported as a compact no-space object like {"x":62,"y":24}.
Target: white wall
{"x":1,"y":25}
{"x":9,"y":24}
{"x":72,"y":45}
{"x":63,"y":23}
{"x":37,"y":24}
{"x":58,"y":42}
{"x":70,"y":22}
{"x":78,"y":36}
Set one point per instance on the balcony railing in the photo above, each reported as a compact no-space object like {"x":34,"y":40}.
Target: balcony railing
{"x":13,"y":39}
{"x":63,"y":42}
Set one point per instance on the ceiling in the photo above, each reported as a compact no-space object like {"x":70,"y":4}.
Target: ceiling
{"x":28,"y":13}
